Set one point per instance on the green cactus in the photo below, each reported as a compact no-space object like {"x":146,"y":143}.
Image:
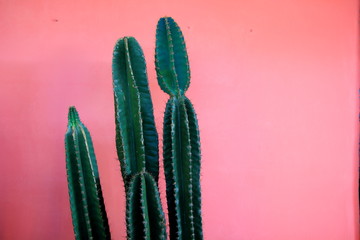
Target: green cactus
{"x":86,"y":200}
{"x":137,"y":148}
{"x":137,"y":142}
{"x":181,"y":146}
{"x":144,"y":214}
{"x":136,"y":135}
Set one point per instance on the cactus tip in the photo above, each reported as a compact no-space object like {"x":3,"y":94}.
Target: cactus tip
{"x":73,"y":116}
{"x":166,"y":17}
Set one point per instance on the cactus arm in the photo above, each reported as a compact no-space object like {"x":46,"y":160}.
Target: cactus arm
{"x":87,"y":205}
{"x":151,"y":142}
{"x":178,"y":169}
{"x":76,"y":191}
{"x":172,"y":65}
{"x":181,"y":136}
{"x":94,"y":193}
{"x":145,"y":217}
{"x":196,"y":165}
{"x":137,"y":140}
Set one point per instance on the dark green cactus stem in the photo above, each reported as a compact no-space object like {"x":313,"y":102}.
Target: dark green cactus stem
{"x":172,"y":65}
{"x":145,"y":217}
{"x":86,"y":200}
{"x":136,"y":136}
{"x":181,"y":134}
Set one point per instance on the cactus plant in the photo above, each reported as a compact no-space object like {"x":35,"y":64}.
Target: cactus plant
{"x":136,"y":136}
{"x":137,"y":147}
{"x":181,"y":142}
{"x":137,"y":142}
{"x":86,"y":200}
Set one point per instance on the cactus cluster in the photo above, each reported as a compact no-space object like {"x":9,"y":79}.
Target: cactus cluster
{"x":137,"y":147}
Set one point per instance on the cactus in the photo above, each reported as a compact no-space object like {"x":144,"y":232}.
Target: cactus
{"x":181,"y":146}
{"x":137,"y":148}
{"x":136,"y":136}
{"x":137,"y":142}
{"x":86,"y":200}
{"x":145,"y":217}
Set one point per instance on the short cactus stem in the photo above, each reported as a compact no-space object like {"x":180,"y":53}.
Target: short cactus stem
{"x":145,"y":217}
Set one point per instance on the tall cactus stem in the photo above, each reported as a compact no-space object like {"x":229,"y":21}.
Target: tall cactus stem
{"x":181,"y":142}
{"x":136,"y":136}
{"x":86,"y":200}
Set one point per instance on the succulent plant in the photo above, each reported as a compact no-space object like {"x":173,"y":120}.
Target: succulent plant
{"x":181,"y":141}
{"x":137,"y":142}
{"x":136,"y":135}
{"x":137,"y":148}
{"x":86,"y":200}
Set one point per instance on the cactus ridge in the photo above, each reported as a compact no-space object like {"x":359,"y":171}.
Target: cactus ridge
{"x":86,"y":201}
{"x":136,"y":136}
{"x":145,"y":217}
{"x":172,"y":64}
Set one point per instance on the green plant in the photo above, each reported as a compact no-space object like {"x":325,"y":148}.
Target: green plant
{"x":137,"y":147}
{"x":137,"y":142}
{"x":86,"y":200}
{"x":136,"y":136}
{"x":181,"y":140}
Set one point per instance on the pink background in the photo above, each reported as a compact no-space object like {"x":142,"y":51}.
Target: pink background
{"x":274,"y":83}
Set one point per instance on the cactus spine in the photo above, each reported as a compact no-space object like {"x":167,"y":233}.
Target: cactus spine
{"x":181,"y":135}
{"x":86,"y":200}
{"x":137,"y":142}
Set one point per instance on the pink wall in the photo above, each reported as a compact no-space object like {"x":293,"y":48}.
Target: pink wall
{"x":274,"y":84}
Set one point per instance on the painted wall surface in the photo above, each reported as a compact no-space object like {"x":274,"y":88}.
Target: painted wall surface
{"x":274,"y":84}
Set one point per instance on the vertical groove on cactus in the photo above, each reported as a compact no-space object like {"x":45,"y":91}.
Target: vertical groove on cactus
{"x":181,"y":135}
{"x":144,"y":211}
{"x":136,"y":136}
{"x":86,"y":201}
